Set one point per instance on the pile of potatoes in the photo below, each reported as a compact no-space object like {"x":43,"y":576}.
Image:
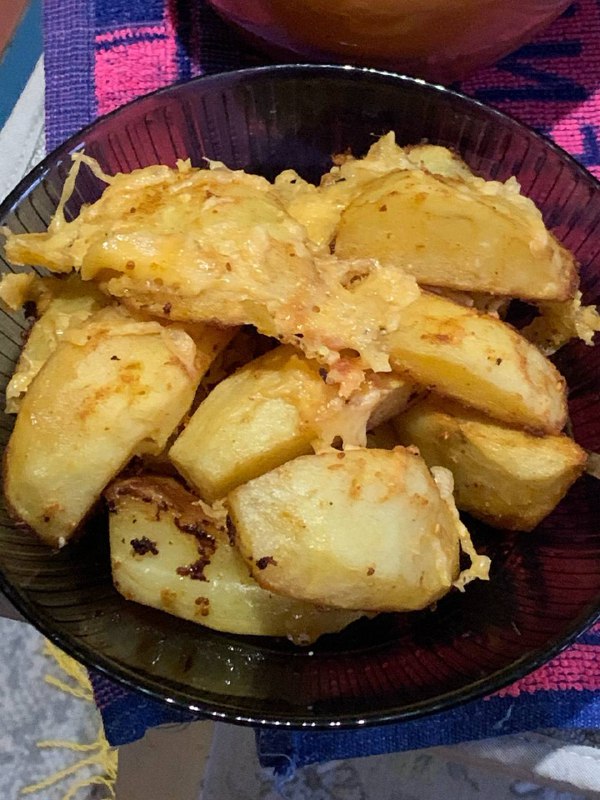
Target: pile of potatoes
{"x":283,"y":392}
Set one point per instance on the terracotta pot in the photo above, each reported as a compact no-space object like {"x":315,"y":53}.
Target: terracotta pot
{"x":441,"y":40}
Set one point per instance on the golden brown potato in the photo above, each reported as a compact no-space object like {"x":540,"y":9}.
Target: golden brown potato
{"x":364,"y":529}
{"x":358,"y":297}
{"x":167,"y":553}
{"x":270,"y":411}
{"x":481,"y":361}
{"x":113,"y":388}
{"x":506,"y":477}
{"x":254,"y":420}
{"x":318,"y":208}
{"x":480,"y":236}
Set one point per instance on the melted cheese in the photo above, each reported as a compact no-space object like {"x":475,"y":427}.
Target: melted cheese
{"x":480,"y":565}
{"x":559,"y":322}
{"x":218,"y":246}
{"x":319,"y":208}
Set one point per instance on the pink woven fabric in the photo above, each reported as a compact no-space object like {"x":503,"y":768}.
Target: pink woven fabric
{"x":128,"y":66}
{"x":577,"y":668}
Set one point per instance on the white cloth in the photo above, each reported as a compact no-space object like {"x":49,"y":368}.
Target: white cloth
{"x":22,"y":137}
{"x":524,"y":766}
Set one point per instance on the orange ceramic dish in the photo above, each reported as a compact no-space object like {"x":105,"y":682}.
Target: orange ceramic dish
{"x":441,"y":40}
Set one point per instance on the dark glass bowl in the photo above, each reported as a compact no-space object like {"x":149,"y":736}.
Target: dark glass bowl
{"x":544,"y":587}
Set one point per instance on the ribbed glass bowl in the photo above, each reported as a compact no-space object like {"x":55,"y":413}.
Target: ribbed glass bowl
{"x":545,"y":585}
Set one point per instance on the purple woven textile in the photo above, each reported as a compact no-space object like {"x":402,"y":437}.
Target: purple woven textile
{"x":101,"y":53}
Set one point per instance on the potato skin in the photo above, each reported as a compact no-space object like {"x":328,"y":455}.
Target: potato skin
{"x":481,"y":361}
{"x":458,"y":233}
{"x":362,"y":529}
{"x":167,"y":554}
{"x":503,"y":476}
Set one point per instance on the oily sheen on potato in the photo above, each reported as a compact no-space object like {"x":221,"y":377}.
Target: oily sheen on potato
{"x":362,"y":529}
{"x":479,"y":360}
{"x":251,"y":422}
{"x":167,"y":553}
{"x":60,"y":305}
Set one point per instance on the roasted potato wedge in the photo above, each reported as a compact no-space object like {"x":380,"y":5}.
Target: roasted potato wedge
{"x":113,"y":389}
{"x":251,"y":422}
{"x":380,"y":287}
{"x":480,"y":236}
{"x":270,"y":411}
{"x":318,"y":208}
{"x":505,"y":477}
{"x":479,"y":360}
{"x":365,"y":529}
{"x":165,"y":553}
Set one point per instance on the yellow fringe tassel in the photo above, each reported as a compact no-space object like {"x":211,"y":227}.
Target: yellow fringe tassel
{"x":82,"y":694}
{"x":101,"y":755}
